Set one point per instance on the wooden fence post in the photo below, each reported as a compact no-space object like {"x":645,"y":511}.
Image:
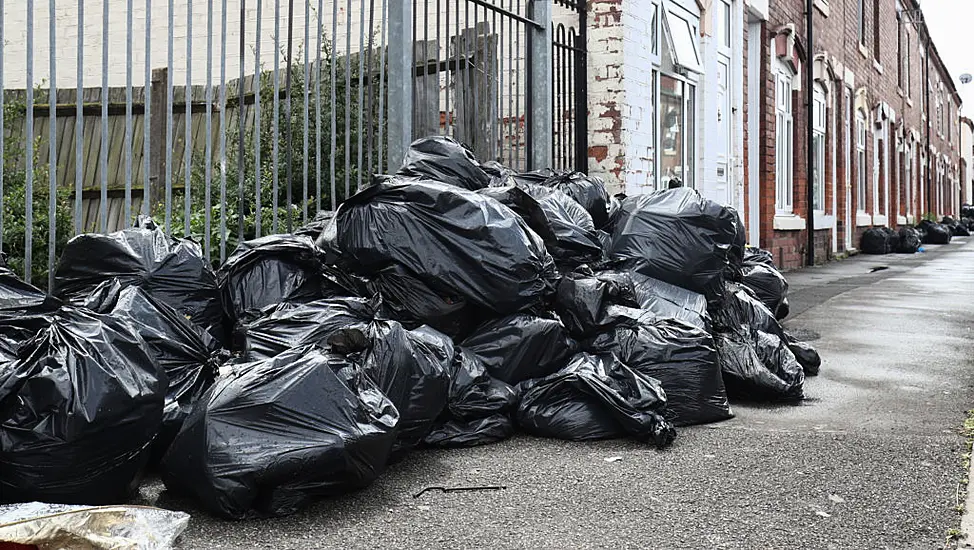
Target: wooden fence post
{"x":157,"y":128}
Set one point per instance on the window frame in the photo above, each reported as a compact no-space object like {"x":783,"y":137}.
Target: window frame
{"x":819,"y":131}
{"x":861,"y":176}
{"x":862,"y":23}
{"x":784,"y":138}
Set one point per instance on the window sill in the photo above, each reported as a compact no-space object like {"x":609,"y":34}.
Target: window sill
{"x":878,"y":66}
{"x":823,"y":7}
{"x":900,"y":92}
{"x":909,"y":219}
{"x":824,"y":221}
{"x":880,"y":219}
{"x":909,"y":102}
{"x":901,"y":220}
{"x":863,"y":51}
{"x":863,"y":219}
{"x":788,"y":222}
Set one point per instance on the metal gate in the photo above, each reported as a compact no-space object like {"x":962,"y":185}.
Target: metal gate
{"x":569,"y":86}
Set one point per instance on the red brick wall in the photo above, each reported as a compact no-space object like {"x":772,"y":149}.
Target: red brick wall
{"x":837,"y":37}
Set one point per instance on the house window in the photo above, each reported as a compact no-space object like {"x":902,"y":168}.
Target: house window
{"x":899,"y":49}
{"x":784,"y":139}
{"x":861,"y":161}
{"x":909,"y":179}
{"x":818,"y":145}
{"x":862,"y":22}
{"x":654,"y":28}
{"x":724,"y":23}
{"x":906,"y":66}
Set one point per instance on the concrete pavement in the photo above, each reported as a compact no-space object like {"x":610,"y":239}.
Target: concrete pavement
{"x":872,"y":459}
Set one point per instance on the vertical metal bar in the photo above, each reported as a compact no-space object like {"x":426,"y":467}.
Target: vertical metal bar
{"x":439,"y":126}
{"x":400,"y":81}
{"x":348,"y":98}
{"x":289,"y":112}
{"x":258,"y":224}
{"x":493,"y":120}
{"x":275,"y":122}
{"x":368,"y":75}
{"x":2,"y":130}
{"x":475,"y":69}
{"x":332,"y":62}
{"x":462,"y":71}
{"x":208,"y":155}
{"x":511,"y":91}
{"x":358,"y":106}
{"x":501,"y":123}
{"x":241,"y":207}
{"x":146,"y":116}
{"x":581,"y":90}
{"x":223,"y":132}
{"x":318,"y":110}
{"x":425,"y":102}
{"x":304,"y":113}
{"x":517,"y":90}
{"x":382,"y":85}
{"x":128,"y":114}
{"x":51,"y":147}
{"x":188,"y":123}
{"x":169,"y":128}
{"x":104,"y":117}
{"x":539,"y":106}
{"x":29,"y":159}
{"x":446,"y":36}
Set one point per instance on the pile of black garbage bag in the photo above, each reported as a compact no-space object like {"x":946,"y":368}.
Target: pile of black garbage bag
{"x":449,"y":305}
{"x":883,"y":240}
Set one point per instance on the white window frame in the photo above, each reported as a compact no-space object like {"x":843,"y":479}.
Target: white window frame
{"x":862,"y":22}
{"x":784,"y":139}
{"x":860,"y":162}
{"x":819,"y":124}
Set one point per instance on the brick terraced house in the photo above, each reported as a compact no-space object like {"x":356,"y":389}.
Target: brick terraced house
{"x":714,"y":94}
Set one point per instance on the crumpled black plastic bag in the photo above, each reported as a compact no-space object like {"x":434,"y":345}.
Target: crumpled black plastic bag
{"x":189,"y":356}
{"x":768,"y":284}
{"x":879,"y":240}
{"x":443,"y":159}
{"x":288,"y":326}
{"x":908,"y":240}
{"x":588,"y":191}
{"x":805,"y":354}
{"x":25,"y":310}
{"x":173,"y":271}
{"x":583,"y":299}
{"x":470,"y":433}
{"x":679,"y":237}
{"x":666,"y":300}
{"x":277,"y":269}
{"x":521,"y":346}
{"x":474,"y":393}
{"x":680,"y":356}
{"x":411,"y":368}
{"x":565,"y":227}
{"x":272,"y":435}
{"x":753,"y":352}
{"x":934,"y":233}
{"x":595,"y":397}
{"x":78,"y":412}
{"x":456,"y":242}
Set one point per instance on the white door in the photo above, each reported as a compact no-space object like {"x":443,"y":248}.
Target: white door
{"x":724,"y":190}
{"x":847,"y":145}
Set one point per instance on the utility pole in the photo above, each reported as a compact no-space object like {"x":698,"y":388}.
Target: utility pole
{"x":810,"y":133}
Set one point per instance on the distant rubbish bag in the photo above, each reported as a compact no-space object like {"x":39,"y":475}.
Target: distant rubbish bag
{"x":75,"y":527}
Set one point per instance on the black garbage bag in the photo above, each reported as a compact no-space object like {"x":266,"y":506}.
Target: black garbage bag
{"x":909,"y":240}
{"x":443,"y":159}
{"x":752,"y":350}
{"x":272,"y":435}
{"x":189,"y":356}
{"x":680,"y":356}
{"x":960,"y":230}
{"x":879,"y":240}
{"x":25,"y":310}
{"x":456,"y":242}
{"x":588,"y":191}
{"x":754,"y":256}
{"x":805,"y":354}
{"x":411,"y":369}
{"x":582,"y":301}
{"x":474,"y":393}
{"x":666,"y":300}
{"x":288,"y":326}
{"x":78,"y":412}
{"x":595,"y":397}
{"x":565,"y":227}
{"x":469,"y":433}
{"x":768,"y":284}
{"x":679,"y":237}
{"x":521,"y":346}
{"x":172,"y":271}
{"x":414,"y":303}
{"x":278,"y":269}
{"x":934,"y":233}
{"x":315,"y":227}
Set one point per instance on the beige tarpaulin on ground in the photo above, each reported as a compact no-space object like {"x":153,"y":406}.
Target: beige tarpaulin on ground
{"x":60,"y":526}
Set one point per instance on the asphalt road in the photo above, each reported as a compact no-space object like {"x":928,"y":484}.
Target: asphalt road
{"x":872,"y":459}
